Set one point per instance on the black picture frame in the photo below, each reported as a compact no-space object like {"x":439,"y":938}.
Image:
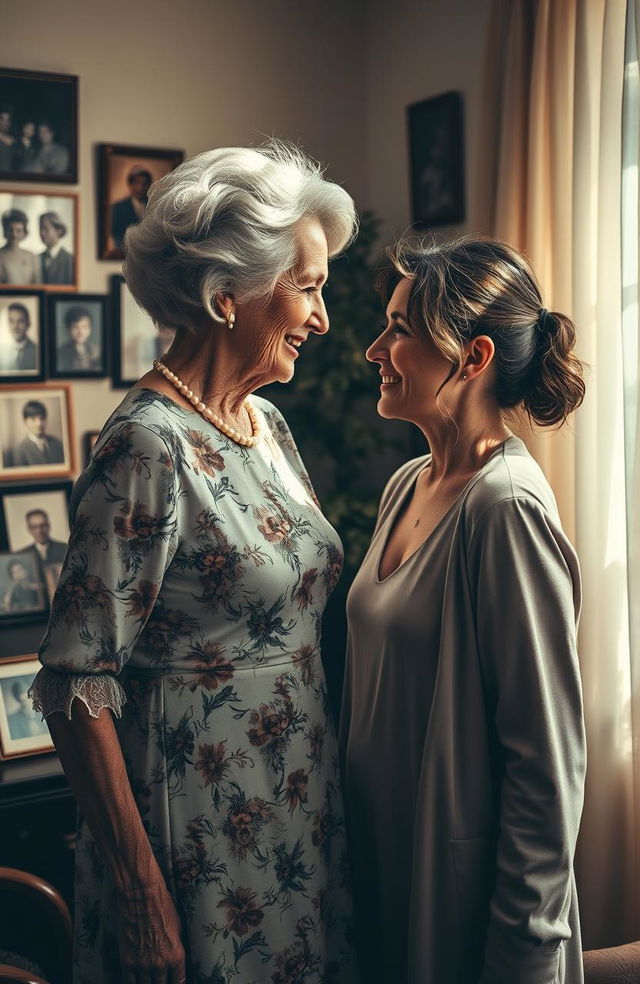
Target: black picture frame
{"x":19,"y":498}
{"x":436,"y":155}
{"x":29,"y":299}
{"x":115,"y":163}
{"x":33,"y":98}
{"x":28,"y":208}
{"x":60,"y":355}
{"x":35,"y":587}
{"x":134,"y":346}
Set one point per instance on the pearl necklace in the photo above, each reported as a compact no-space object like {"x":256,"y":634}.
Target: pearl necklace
{"x":210,"y":415}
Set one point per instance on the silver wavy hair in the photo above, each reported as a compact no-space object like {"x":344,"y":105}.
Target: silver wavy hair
{"x":224,"y":222}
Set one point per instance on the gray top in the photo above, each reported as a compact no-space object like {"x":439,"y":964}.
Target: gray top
{"x":462,"y":739}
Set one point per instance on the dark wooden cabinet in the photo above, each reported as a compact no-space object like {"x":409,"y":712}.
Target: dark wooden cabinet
{"x":38,"y":820}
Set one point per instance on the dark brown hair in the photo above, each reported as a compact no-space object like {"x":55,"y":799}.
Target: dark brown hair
{"x":479,"y":286}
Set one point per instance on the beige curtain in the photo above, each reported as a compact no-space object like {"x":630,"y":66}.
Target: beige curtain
{"x":550,"y":183}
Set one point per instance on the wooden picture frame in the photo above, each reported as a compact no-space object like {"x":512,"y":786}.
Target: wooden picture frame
{"x":22,"y":730}
{"x":136,"y":340}
{"x":22,"y":336}
{"x":34,"y":445}
{"x":125,"y":174}
{"x":78,"y":336}
{"x":437,"y":160}
{"x":38,"y":126}
{"x":34,"y":223}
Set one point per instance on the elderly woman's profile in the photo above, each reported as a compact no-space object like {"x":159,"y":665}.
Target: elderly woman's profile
{"x":182,"y":678}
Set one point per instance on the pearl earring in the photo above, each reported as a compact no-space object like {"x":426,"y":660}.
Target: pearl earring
{"x":464,"y":375}
{"x":231,"y":320}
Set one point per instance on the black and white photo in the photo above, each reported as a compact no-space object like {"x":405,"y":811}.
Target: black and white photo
{"x":22,"y":730}
{"x":38,"y":126}
{"x":125,"y":175}
{"x":138,"y":342}
{"x":22,"y":590}
{"x":35,"y":431}
{"x":77,"y":336}
{"x":22,"y":332}
{"x":36,"y":523}
{"x":39,"y":240}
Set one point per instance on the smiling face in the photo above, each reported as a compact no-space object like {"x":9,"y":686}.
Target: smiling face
{"x":277,"y":327}
{"x":411,"y":367}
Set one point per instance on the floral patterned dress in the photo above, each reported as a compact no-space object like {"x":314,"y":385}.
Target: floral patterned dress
{"x":190,"y":603}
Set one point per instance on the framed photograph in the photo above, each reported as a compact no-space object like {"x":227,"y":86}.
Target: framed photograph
{"x":78,"y":336}
{"x":23,"y":597}
{"x":35,"y":523}
{"x":89,"y":440}
{"x":40,"y":236}
{"x":38,"y":126}
{"x":36,"y":434}
{"x":22,"y":334}
{"x":22,"y":730}
{"x":137,"y":341}
{"x":125,"y":175}
{"x":437,"y":164}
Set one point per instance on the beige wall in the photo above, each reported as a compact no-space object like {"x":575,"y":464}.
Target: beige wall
{"x":415,"y":50}
{"x":336,"y":76}
{"x":195,"y":75}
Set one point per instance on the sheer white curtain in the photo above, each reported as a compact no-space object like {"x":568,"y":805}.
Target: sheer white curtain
{"x":552,"y":183}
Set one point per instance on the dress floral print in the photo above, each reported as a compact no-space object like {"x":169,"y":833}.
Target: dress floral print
{"x":190,"y":603}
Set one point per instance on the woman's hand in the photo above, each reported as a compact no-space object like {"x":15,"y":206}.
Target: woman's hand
{"x":151,"y":950}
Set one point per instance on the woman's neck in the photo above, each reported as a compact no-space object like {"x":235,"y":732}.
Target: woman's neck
{"x":210,"y":364}
{"x":462,"y":448}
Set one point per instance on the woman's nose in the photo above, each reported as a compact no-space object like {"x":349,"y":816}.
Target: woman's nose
{"x":319,"y":319}
{"x":376,"y":351}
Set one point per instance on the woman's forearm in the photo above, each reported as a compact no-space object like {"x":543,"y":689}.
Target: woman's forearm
{"x":92,"y":760}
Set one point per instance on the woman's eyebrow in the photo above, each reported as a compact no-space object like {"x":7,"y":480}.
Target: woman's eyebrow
{"x":398,"y":316}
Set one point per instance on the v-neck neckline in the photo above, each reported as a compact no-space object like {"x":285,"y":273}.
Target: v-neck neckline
{"x":391,"y":521}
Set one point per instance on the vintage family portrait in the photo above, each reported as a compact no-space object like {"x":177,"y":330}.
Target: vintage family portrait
{"x":77,"y":336}
{"x":38,"y":126}
{"x":35,"y":431}
{"x":125,"y":175}
{"x":137,"y":341}
{"x":22,"y":730}
{"x":36,"y":524}
{"x":22,"y":333}
{"x":40,"y":239}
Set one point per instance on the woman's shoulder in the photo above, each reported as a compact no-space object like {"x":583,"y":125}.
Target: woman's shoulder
{"x":510,"y":476}
{"x":147,"y":410}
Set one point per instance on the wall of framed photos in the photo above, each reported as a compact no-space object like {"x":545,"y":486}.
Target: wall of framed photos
{"x":99,"y":102}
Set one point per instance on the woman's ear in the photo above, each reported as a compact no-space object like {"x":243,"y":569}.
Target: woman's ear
{"x":224,"y":305}
{"x":479,"y":353}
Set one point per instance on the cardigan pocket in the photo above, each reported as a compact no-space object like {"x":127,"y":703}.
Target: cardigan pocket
{"x":474,"y":871}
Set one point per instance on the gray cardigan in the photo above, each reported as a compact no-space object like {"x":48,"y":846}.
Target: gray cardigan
{"x":500,"y":792}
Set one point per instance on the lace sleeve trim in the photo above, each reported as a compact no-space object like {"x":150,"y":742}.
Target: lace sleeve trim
{"x":53,"y":691}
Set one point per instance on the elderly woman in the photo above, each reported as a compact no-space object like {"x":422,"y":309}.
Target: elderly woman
{"x":182,"y":678}
{"x":17,"y":265}
{"x":462,"y":729}
{"x":56,"y":261}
